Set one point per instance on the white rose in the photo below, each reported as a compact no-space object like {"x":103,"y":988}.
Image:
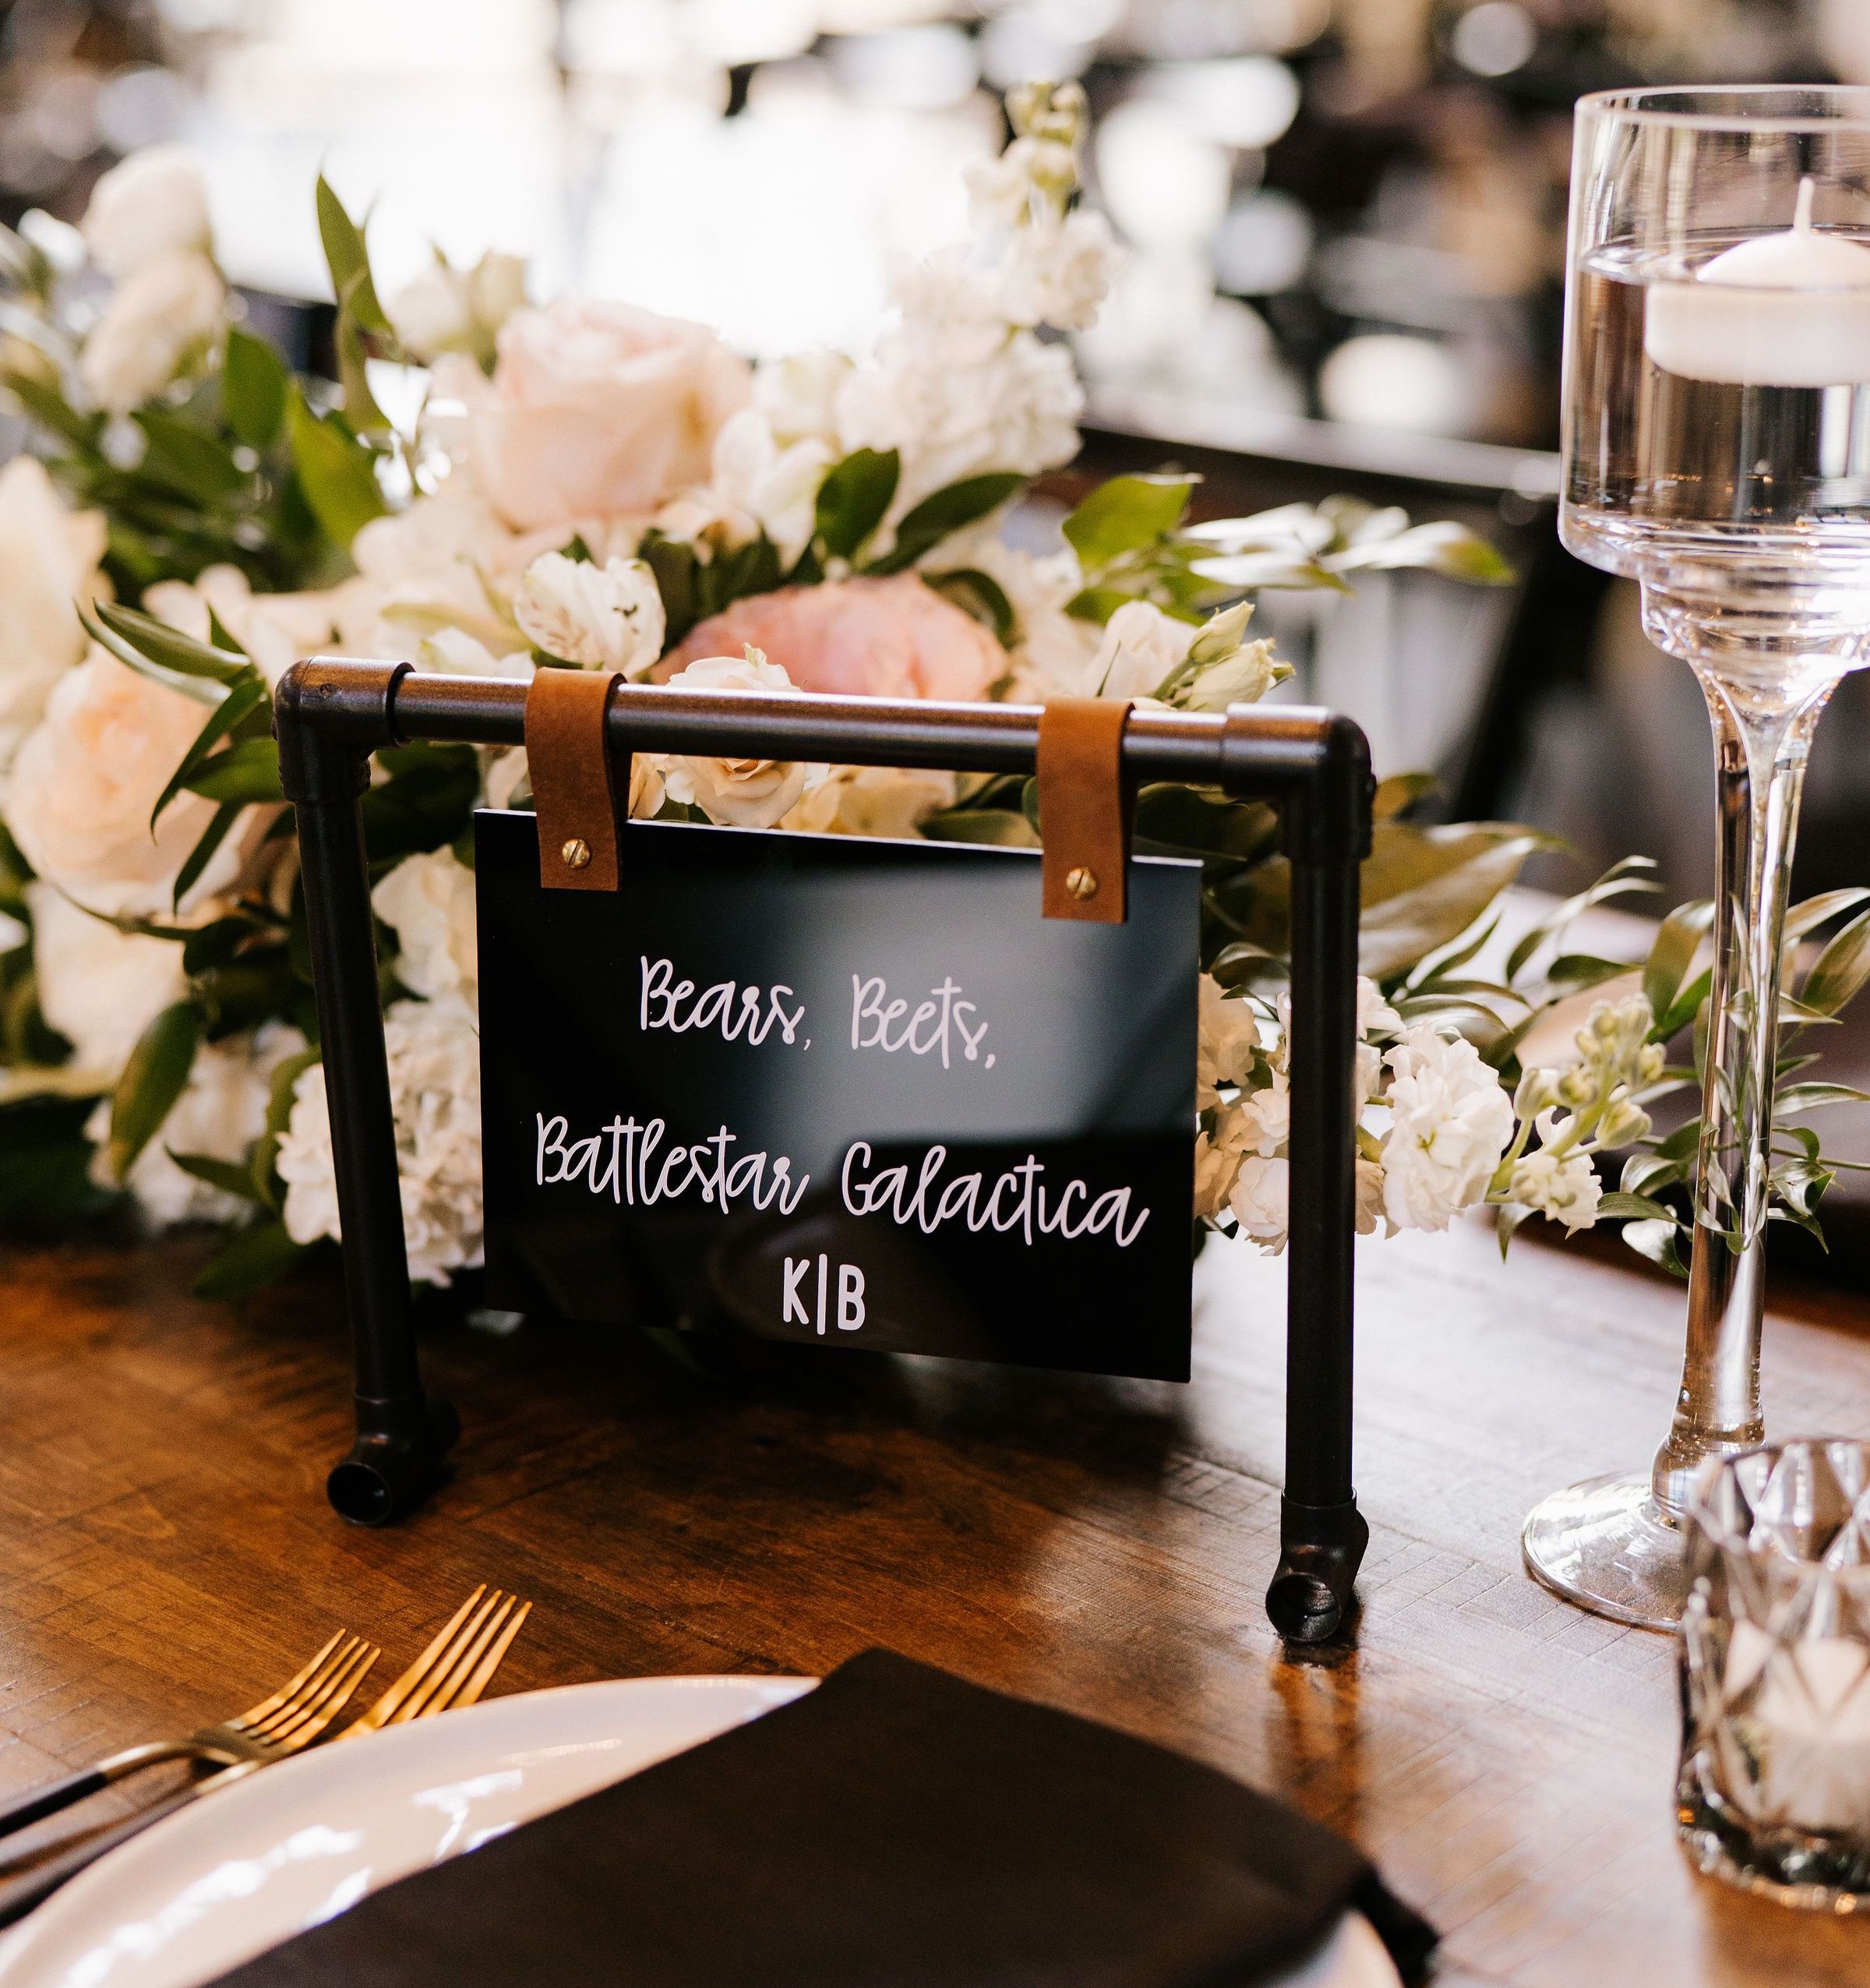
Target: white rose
{"x":1142,"y":645}
{"x":1563,"y":1187}
{"x":84,"y":784}
{"x":99,"y":987}
{"x":155,"y":202}
{"x":428,"y":902}
{"x":746,"y":793}
{"x":597,"y":411}
{"x":1260,"y":1201}
{"x":599,"y":617}
{"x":221,"y":1111}
{"x":48,"y":561}
{"x":434,"y":1087}
{"x":777,"y":487}
{"x":1451,"y":1124}
{"x":873,"y":800}
{"x":160,"y":323}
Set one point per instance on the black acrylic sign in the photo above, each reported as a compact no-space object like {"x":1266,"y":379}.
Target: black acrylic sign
{"x":851,"y":1093}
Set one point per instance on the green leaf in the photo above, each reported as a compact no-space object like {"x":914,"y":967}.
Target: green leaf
{"x":1659,"y":1241}
{"x":336,"y":471}
{"x":52,"y":411}
{"x":166,"y":647}
{"x":1634,"y":1208}
{"x":427,"y":801}
{"x":1683,"y":1009}
{"x":1643,"y":1171}
{"x":1443,"y":547}
{"x":256,"y":1257}
{"x":152,"y":1079}
{"x":226,"y":1174}
{"x":1423,"y":887}
{"x":1819,"y":910}
{"x":1125,"y":514}
{"x":361,"y":413}
{"x":1283,"y":567}
{"x":1677,"y":942}
{"x":1618,"y":880}
{"x":1507,"y":1223}
{"x":674,"y":566}
{"x":246,"y":773}
{"x":926,"y":525}
{"x":348,"y":260}
{"x":202,"y":854}
{"x":186,"y":459}
{"x":1398,"y":792}
{"x":253,"y":389}
{"x":977,"y":594}
{"x":997,"y":825}
{"x":1840,"y":969}
{"x":1796,"y":1098}
{"x":1185,"y":821}
{"x":240,"y":702}
{"x":854,"y":499}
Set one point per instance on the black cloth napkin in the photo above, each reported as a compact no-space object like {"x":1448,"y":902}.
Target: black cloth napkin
{"x":895,"y":1828}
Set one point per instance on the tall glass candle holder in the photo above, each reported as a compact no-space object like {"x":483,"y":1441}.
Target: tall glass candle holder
{"x":1717,"y":451}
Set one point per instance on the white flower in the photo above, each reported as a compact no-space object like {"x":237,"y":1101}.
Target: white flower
{"x":1451,"y":1124}
{"x":746,"y":793}
{"x":798,"y":395}
{"x":1060,"y":272}
{"x":155,"y":202}
{"x":84,"y":783}
{"x":872,"y":801}
{"x":428,"y":902}
{"x":1266,"y":1117}
{"x":1260,"y":1200}
{"x":1227,"y":1034}
{"x":454,"y":652}
{"x":221,"y":1111}
{"x":160,"y":323}
{"x":48,"y":561}
{"x":443,"y":310}
{"x":600,"y":617}
{"x":777,"y":487}
{"x":434,"y":1086}
{"x":1375,"y":1016}
{"x":99,"y":987}
{"x":1217,"y":1160}
{"x":1371,"y":1212}
{"x":1141,"y":646}
{"x":1564,"y":1187}
{"x":1243,"y":676}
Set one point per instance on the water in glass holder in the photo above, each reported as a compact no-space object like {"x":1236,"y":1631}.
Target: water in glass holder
{"x":1773,"y":1790}
{"x":1717,"y":436}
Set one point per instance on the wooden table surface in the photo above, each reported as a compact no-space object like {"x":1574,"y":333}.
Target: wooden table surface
{"x":166,"y":1554}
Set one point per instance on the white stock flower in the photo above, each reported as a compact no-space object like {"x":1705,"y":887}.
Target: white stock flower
{"x":221,"y":1111}
{"x":434,"y":1087}
{"x":84,"y":783}
{"x":1260,"y":1201}
{"x":1562,"y":1186}
{"x":155,"y":202}
{"x":160,"y":323}
{"x":1060,"y":272}
{"x":745,"y":793}
{"x":1375,"y":1016}
{"x":1266,"y":1117}
{"x":99,"y":987}
{"x":1451,"y":1125}
{"x":1371,"y":1215}
{"x":777,"y":487}
{"x":428,"y":901}
{"x":1227,"y":1034}
{"x":599,"y":617}
{"x":872,"y":801}
{"x":1141,"y":646}
{"x":48,"y":561}
{"x":798,"y":395}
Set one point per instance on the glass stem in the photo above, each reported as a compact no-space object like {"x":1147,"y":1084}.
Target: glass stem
{"x":1762,"y":740}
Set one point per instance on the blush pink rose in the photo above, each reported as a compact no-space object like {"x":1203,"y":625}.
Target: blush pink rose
{"x":595,"y":410}
{"x":870,"y":638}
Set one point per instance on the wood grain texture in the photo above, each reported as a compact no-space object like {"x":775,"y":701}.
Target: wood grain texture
{"x":166,"y":1553}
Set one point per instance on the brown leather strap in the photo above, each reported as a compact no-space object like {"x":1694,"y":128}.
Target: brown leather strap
{"x":1084,"y":808}
{"x":573,"y":787}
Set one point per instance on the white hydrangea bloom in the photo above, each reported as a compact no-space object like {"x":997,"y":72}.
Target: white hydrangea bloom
{"x":1451,"y":1123}
{"x":428,"y":901}
{"x":435,"y":1085}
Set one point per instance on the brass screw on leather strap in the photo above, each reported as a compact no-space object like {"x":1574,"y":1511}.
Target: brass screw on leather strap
{"x":576,"y":853}
{"x":1082,"y":882}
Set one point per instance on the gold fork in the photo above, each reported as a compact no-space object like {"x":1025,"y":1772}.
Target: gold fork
{"x":452,"y":1671}
{"x":293,"y":1716}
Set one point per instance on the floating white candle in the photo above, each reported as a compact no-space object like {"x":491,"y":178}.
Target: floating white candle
{"x":1806,"y":1730}
{"x":1789,"y":309}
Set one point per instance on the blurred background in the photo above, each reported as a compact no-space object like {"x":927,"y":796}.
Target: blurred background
{"x":1344,"y":220}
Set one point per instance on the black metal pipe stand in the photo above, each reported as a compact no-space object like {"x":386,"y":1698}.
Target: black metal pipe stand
{"x":325,"y":770}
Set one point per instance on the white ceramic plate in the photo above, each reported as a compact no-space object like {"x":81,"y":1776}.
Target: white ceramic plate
{"x":227,"y":1877}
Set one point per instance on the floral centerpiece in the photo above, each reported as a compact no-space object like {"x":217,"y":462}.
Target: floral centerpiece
{"x":589,"y":486}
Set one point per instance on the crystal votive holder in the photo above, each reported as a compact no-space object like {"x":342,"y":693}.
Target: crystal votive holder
{"x":1773,"y":1791}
